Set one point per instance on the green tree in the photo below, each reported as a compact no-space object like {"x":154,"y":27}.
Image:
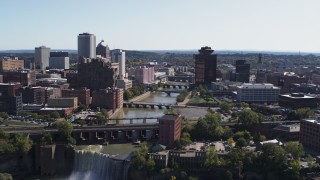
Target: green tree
{"x":305,"y":113}
{"x":185,"y":139}
{"x":241,"y":142}
{"x":295,"y":149}
{"x":225,"y":107}
{"x":5,"y":176}
{"x":248,"y":117}
{"x":212,"y":159}
{"x":54,"y":115}
{"x":17,"y":143}
{"x":46,"y":139}
{"x":64,"y":128}
{"x":4,"y":115}
{"x":258,"y":138}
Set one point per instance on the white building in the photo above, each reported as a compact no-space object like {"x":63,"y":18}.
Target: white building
{"x":41,"y":57}
{"x":59,"y":60}
{"x":257,"y":93}
{"x":119,"y":56}
{"x":86,"y":45}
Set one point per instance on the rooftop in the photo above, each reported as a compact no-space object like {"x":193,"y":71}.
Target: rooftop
{"x":257,"y":86}
{"x":312,"y":121}
{"x":170,"y":117}
{"x":294,"y":96}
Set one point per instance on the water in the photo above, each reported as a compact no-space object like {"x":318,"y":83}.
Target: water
{"x":90,"y":165}
{"x":158,"y":97}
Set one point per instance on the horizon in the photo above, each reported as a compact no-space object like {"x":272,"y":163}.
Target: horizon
{"x":286,"y":26}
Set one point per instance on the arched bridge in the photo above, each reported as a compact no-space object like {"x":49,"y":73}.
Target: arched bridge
{"x":146,"y":105}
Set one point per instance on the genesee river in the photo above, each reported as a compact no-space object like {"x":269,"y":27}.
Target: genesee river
{"x":91,"y":158}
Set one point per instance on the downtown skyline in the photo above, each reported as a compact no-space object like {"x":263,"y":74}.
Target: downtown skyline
{"x":180,"y":25}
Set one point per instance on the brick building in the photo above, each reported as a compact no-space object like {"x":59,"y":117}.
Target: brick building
{"x":310,"y":134}
{"x":66,"y":102}
{"x":96,"y":74}
{"x":11,"y":64}
{"x":83,"y":95}
{"x":110,"y":98}
{"x":32,"y":95}
{"x":169,"y":130}
{"x":10,"y":101}
{"x":26,"y":78}
{"x":205,"y":66}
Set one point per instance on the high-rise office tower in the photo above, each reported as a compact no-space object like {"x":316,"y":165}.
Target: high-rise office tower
{"x":242,"y":71}
{"x":103,"y":50}
{"x":205,"y":66}
{"x":86,"y":45}
{"x":119,"y":56}
{"x":41,"y":57}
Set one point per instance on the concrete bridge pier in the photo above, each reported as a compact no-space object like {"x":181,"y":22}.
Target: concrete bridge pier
{"x":76,"y":136}
{"x":129,"y":135}
{"x":131,"y":121}
{"x":137,"y":105}
{"x":168,"y":107}
{"x":159,"y":106}
{"x":152,"y":106}
{"x":149,"y":134}
{"x":121,"y":135}
{"x":92,"y":137}
{"x":144,"y":121}
{"x":143,"y":134}
{"x":135,"y":135}
{"x":144,"y":106}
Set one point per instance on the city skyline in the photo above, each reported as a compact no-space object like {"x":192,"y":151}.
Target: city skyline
{"x":179,"y":25}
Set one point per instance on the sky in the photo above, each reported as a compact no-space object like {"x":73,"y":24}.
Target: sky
{"x":263,"y":25}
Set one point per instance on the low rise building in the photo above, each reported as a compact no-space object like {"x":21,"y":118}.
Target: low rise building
{"x":26,"y":78}
{"x":297,"y":100}
{"x":257,"y":93}
{"x":83,"y":95}
{"x":288,"y":132}
{"x":65,"y":102}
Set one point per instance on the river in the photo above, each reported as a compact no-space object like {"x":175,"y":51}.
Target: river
{"x":91,"y":159}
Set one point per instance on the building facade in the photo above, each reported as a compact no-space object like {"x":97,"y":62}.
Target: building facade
{"x":26,"y":78}
{"x":110,"y":98}
{"x":297,"y":100}
{"x":103,"y":51}
{"x":63,"y":102}
{"x":11,"y":64}
{"x":95,"y":74}
{"x":169,"y":129}
{"x":86,"y":45}
{"x":310,"y":134}
{"x":205,"y":66}
{"x":242,"y":71}
{"x":83,"y":95}
{"x":10,"y":101}
{"x":142,"y":74}
{"x":41,"y":57}
{"x":59,"y":60}
{"x":32,"y":95}
{"x":119,"y":56}
{"x":257,"y":93}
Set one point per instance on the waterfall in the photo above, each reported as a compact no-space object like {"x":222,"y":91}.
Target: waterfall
{"x":89,"y":165}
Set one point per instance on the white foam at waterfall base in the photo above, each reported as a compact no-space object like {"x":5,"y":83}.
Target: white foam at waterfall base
{"x":89,"y":165}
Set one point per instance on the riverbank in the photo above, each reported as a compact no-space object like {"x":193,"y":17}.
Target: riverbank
{"x":141,"y":97}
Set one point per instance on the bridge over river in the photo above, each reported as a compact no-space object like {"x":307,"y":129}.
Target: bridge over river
{"x":146,"y":105}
